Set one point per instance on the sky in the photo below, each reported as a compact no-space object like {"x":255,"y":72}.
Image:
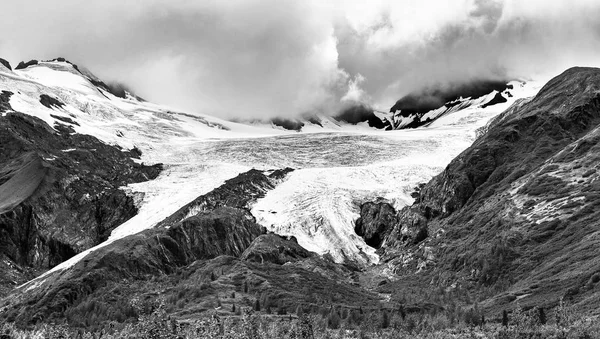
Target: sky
{"x":258,"y":59}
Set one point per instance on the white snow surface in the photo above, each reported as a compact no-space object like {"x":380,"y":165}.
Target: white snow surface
{"x":336,"y":168}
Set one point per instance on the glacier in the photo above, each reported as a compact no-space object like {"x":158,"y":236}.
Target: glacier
{"x":336,"y":169}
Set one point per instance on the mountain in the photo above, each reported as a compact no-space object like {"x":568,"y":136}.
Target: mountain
{"x":59,"y":191}
{"x":73,"y":150}
{"x":413,"y":110}
{"x":422,"y":108}
{"x":514,"y":217}
{"x":231,"y":215}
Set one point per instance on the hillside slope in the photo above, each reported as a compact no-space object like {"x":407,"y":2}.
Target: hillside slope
{"x":515,"y":218}
{"x":59,"y":194}
{"x":211,"y":247}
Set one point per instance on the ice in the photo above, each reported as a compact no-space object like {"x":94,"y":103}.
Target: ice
{"x":337,"y":167}
{"x":320,"y":205}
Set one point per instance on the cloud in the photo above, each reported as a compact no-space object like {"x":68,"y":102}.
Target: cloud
{"x":260,"y":59}
{"x":413,"y":46}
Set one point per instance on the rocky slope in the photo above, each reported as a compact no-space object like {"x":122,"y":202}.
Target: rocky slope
{"x":59,"y":193}
{"x":212,"y":239}
{"x":70,"y":145}
{"x":514,"y":218}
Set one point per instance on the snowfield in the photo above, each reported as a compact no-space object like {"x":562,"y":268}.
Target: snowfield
{"x":337,"y":168}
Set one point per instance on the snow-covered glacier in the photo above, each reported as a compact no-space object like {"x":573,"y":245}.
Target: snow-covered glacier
{"x":335,"y":170}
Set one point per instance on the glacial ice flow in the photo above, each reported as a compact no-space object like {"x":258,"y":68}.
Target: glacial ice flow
{"x":337,"y":168}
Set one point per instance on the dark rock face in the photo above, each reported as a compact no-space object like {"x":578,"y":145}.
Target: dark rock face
{"x":540,"y":152}
{"x":361,"y":113}
{"x":215,"y":224}
{"x":59,"y":193}
{"x":289,"y":124}
{"x":375,"y":222}
{"x":315,"y":120}
{"x":223,"y":231}
{"x":498,"y":99}
{"x":5,"y":64}
{"x":5,"y":101}
{"x":410,"y":229}
{"x":275,"y":249}
{"x":67,"y":120}
{"x":23,"y":65}
{"x":50,"y":102}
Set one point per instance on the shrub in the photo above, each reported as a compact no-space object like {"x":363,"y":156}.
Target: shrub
{"x":333,"y":320}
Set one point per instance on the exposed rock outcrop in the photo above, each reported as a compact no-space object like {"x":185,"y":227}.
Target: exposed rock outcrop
{"x":23,"y":65}
{"x":498,"y":99}
{"x":59,"y":193}
{"x":275,"y":249}
{"x":357,"y":113}
{"x":50,"y":102}
{"x":5,"y":101}
{"x":375,"y":222}
{"x":5,"y":64}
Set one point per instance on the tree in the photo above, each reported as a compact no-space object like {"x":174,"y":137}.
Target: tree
{"x":257,"y":305}
{"x":265,"y":301}
{"x":233,"y":308}
{"x":245,"y":286}
{"x":542,"y":315}
{"x":385,"y":319}
{"x":333,"y":320}
{"x":402,"y":312}
{"x":504,"y":318}
{"x":472,"y":316}
{"x":281,"y":310}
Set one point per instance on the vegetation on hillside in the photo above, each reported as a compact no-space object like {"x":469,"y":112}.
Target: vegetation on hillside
{"x":250,"y":324}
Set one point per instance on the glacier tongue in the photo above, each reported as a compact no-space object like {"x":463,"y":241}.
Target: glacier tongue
{"x":319,"y":205}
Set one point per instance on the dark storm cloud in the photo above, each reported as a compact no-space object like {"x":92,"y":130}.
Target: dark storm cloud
{"x":260,"y":59}
{"x":493,"y":40}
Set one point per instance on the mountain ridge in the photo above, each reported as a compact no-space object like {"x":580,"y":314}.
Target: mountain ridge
{"x":517,"y":202}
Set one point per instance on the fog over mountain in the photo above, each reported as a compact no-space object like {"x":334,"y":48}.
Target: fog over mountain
{"x":261,"y":59}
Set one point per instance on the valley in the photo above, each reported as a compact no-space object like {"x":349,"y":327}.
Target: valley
{"x":194,"y":214}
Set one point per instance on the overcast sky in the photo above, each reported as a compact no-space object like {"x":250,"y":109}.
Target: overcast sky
{"x":259,"y":59}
